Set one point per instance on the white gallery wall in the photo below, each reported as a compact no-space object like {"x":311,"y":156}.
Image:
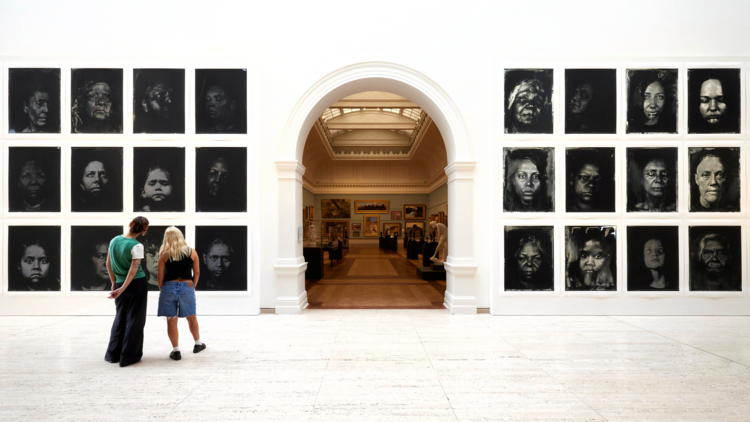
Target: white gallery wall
{"x":462,"y":48}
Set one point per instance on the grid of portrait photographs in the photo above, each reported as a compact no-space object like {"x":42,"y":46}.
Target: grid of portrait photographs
{"x":623,"y":180}
{"x":77,"y":167}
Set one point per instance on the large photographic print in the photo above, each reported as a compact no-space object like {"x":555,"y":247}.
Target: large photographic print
{"x":715,"y":258}
{"x":221,"y":179}
{"x":590,"y":180}
{"x":33,"y":258}
{"x":223,"y":254}
{"x":96,"y":100}
{"x":653,"y":258}
{"x":34,"y":179}
{"x":221,"y":101}
{"x":528,"y":101}
{"x":34,"y":100}
{"x":152,"y":242}
{"x":529,"y":261}
{"x":96,"y":179}
{"x":590,"y":101}
{"x":159,"y":179}
{"x":652,"y":179}
{"x":714,"y":179}
{"x":89,"y":246}
{"x":652,"y":101}
{"x":590,"y":258}
{"x":714,"y":101}
{"x":529,"y":180}
{"x":158,"y":100}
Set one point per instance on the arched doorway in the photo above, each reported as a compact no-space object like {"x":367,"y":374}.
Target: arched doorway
{"x":460,"y":295}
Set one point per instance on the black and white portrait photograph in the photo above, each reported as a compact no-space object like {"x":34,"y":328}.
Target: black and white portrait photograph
{"x":34,"y":100}
{"x":590,"y":101}
{"x":590,"y":184}
{"x":34,"y":179}
{"x":714,"y":98}
{"x":158,"y":100}
{"x":97,"y":100}
{"x":151,"y":244}
{"x":529,"y":179}
{"x":529,"y":262}
{"x":652,"y":101}
{"x":221,"y":179}
{"x":714,"y":179}
{"x":652,"y":179}
{"x":653,"y":258}
{"x":223,"y":254}
{"x":89,"y":246}
{"x":528,"y":101}
{"x":590,"y":258}
{"x":221,"y":101}
{"x":34,"y":259}
{"x":96,"y":179}
{"x":715,"y":258}
{"x":159,"y":179}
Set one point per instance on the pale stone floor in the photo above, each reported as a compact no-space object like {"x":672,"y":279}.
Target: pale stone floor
{"x":384,"y":365}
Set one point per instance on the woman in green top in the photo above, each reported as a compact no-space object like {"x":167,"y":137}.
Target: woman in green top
{"x":130,"y":292}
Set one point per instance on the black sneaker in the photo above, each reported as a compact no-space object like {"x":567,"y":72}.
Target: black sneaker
{"x":198,"y":347}
{"x":175,"y":355}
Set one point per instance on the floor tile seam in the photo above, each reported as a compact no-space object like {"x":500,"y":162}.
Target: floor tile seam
{"x":320,"y":386}
{"x":543,"y":370}
{"x":684,"y":344}
{"x":414,"y":327}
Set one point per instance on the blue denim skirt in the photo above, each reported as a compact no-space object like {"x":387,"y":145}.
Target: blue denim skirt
{"x":176,"y":299}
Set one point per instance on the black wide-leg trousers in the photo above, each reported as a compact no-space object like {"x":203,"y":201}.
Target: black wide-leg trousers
{"x":126,"y":339}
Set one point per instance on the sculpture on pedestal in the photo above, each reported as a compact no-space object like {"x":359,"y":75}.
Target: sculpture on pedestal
{"x":442,"y":235}
{"x":312,"y":234}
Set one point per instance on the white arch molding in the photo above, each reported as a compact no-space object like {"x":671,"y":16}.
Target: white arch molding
{"x":460,"y":295}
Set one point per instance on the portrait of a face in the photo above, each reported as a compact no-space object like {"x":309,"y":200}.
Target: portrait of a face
{"x":152,"y":242}
{"x":714,"y":101}
{"x":715,"y":182}
{"x":96,"y":100}
{"x":653,"y":258}
{"x":34,"y":258}
{"x":528,"y":258}
{"x":652,"y":101}
{"x":590,"y":255}
{"x":34,"y":179}
{"x":221,"y":101}
{"x":159,"y":181}
{"x":88,"y":257}
{"x":96,"y":179}
{"x":221,"y":179}
{"x":590,"y":101}
{"x":528,"y":101}
{"x":34,"y":100}
{"x":159,"y":101}
{"x":715,"y":258}
{"x":652,"y":179}
{"x":529,"y":179}
{"x":223,"y":254}
{"x":590,"y":180}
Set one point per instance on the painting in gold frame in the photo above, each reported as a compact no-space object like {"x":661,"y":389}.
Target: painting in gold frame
{"x":415,"y":211}
{"x":392,"y":228}
{"x":339,"y":225}
{"x":371,"y":223}
{"x":372,"y":206}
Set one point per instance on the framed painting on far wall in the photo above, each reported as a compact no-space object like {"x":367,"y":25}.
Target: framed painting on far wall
{"x":374,"y":206}
{"x":338,"y":225}
{"x":336,"y":208}
{"x":415,"y":211}
{"x":372,"y":225}
{"x":355,"y":233}
{"x":392,"y":229}
{"x":356,"y":226}
{"x":396,"y":215}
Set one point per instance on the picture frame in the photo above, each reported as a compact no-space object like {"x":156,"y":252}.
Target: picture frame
{"x":338,"y":224}
{"x":397,"y":215}
{"x":415,"y":211}
{"x":336,"y":208}
{"x":420,"y":229}
{"x":372,"y":206}
{"x":371,"y":224}
{"x":390,"y":228}
{"x":356,"y":226}
{"x":355,"y":233}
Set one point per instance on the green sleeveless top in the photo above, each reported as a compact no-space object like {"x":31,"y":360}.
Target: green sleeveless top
{"x":120,"y":257}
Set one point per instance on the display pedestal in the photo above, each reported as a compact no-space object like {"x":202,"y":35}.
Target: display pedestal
{"x":436,"y":271}
{"x":314,"y":258}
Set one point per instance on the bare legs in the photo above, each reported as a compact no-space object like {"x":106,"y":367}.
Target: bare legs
{"x":173,"y":333}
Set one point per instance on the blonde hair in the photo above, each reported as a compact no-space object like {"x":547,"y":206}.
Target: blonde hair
{"x":174,"y":244}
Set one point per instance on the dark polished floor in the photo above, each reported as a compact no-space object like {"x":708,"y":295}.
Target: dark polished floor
{"x":372,"y":278}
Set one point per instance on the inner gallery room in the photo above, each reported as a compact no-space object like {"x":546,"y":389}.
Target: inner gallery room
{"x":347,"y":211}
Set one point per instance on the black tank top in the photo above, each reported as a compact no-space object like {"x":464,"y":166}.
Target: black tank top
{"x":179,"y":269}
